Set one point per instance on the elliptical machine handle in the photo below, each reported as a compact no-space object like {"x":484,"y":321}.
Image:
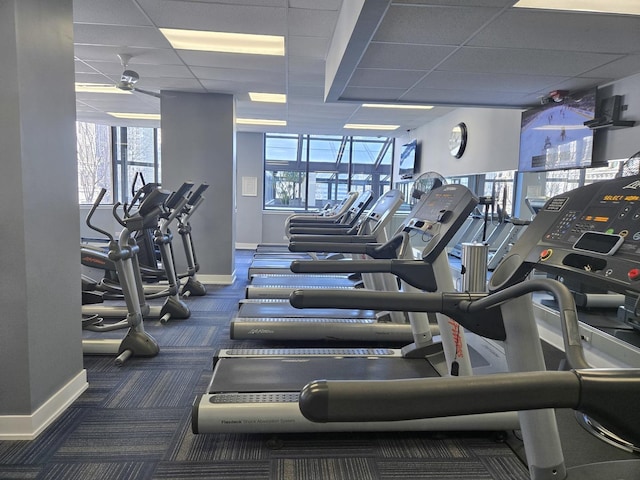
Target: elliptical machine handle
{"x":96,"y":203}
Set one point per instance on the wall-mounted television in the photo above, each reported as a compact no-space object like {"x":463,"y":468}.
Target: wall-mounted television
{"x":408,"y":160}
{"x":553,"y":136}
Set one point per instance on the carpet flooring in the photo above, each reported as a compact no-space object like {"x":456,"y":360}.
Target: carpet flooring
{"x":134,"y":422}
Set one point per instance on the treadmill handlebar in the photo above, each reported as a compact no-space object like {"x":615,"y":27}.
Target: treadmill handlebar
{"x":387,"y":250}
{"x":300,"y":239}
{"x":316,"y":230}
{"x":342,"y":400}
{"x":417,"y":273}
{"x":330,"y":247}
{"x":366,"y":299}
{"x":339,"y":266}
{"x":317,"y":219}
{"x":603,"y":394}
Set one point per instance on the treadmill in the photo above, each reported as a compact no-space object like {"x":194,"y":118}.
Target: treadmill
{"x":339,"y":211}
{"x":586,"y":235}
{"x":257,"y":390}
{"x":271,"y":319}
{"x":372,"y":229}
{"x":350,"y":226}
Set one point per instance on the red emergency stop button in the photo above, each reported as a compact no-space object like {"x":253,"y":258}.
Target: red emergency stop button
{"x":546,"y":253}
{"x":634,"y":274}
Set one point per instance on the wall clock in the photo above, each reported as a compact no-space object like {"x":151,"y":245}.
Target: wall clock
{"x":458,"y":140}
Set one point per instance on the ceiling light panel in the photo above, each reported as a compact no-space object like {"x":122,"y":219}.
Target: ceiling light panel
{"x":99,"y":88}
{"x":261,"y":121}
{"x":136,"y":116}
{"x":370,"y":126}
{"x":225,"y":42}
{"x":624,"y":7}
{"x":268,"y":97}
{"x":399,"y":106}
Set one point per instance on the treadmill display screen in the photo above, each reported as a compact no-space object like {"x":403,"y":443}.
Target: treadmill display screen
{"x":599,"y":242}
{"x":600,"y":214}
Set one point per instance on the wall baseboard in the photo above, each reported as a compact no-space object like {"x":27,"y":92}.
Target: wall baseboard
{"x":28,"y":427}
{"x":217,"y":279}
{"x":246,"y":246}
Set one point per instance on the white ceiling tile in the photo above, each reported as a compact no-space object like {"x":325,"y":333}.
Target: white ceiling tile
{"x":578,"y":32}
{"x":119,"y":36}
{"x":240,"y":76}
{"x":101,"y":11}
{"x":234,"y":17}
{"x":374,"y":94}
{"x":316,"y":4}
{"x":371,"y":77}
{"x":623,"y":67}
{"x":311,"y":23}
{"x":486,"y":81}
{"x":403,"y":57}
{"x":463,"y":97}
{"x":431,"y":25}
{"x":312,"y":47}
{"x":230,"y":60}
{"x":524,"y":61}
{"x":102,"y":53}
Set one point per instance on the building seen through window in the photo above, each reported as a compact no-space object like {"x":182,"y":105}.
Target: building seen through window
{"x":306,"y":172}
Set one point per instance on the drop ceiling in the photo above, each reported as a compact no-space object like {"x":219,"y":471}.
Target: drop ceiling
{"x":446,"y":53}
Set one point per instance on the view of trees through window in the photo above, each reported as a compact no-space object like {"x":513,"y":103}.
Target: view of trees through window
{"x":94,"y":161}
{"x":308,"y":171}
{"x":110,"y":157}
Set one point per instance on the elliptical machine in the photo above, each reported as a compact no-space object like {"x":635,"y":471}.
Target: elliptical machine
{"x":192,"y":287}
{"x":150,"y":208}
{"x":136,"y":342}
{"x":149,"y":238}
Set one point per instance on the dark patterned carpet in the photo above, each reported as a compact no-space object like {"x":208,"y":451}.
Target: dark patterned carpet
{"x":134,"y":422}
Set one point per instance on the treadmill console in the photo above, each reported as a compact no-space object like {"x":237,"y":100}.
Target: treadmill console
{"x":438,"y":216}
{"x":591,"y":233}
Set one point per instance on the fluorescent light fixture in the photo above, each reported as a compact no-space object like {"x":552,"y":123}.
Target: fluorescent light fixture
{"x":268,"y":97}
{"x":261,"y":121}
{"x":370,"y":126}
{"x":624,"y":7}
{"x":136,"y":116}
{"x":224,"y":42}
{"x":391,"y":105}
{"x":98,"y":88}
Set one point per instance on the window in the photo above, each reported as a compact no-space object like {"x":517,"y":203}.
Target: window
{"x":136,"y":151}
{"x":110,"y":157}
{"x":305,"y":172}
{"x":500,"y":186}
{"x":93,"y":144}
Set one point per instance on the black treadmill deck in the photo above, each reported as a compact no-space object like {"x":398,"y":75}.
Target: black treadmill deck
{"x":290,"y":374}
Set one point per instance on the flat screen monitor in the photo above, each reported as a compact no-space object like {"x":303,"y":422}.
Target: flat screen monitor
{"x":408,"y":159}
{"x":553,"y":136}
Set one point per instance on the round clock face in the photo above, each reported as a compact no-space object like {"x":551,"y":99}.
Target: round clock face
{"x":458,"y":140}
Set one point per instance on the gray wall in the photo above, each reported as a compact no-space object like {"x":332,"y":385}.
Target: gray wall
{"x":198,"y":144}
{"x":250,"y":152}
{"x":492,"y":145}
{"x":40,"y":340}
{"x":612,"y":144}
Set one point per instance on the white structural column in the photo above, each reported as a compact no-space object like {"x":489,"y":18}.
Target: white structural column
{"x":198,"y":144}
{"x":40,"y":330}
